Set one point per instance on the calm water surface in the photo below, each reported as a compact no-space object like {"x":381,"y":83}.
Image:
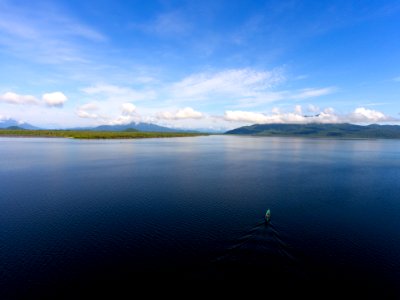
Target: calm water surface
{"x":76,"y":211}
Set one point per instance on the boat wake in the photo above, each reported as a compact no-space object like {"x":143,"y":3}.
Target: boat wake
{"x":259,"y":249}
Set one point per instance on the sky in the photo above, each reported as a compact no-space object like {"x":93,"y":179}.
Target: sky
{"x":210,"y":64}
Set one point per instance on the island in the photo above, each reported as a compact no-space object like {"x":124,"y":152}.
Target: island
{"x":91,"y":134}
{"x":319,"y":130}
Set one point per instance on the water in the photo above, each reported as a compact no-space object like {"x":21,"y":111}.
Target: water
{"x":75,"y":212}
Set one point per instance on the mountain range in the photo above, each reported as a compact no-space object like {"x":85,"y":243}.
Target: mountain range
{"x":134,"y":126}
{"x":342,"y":130}
{"x":148,"y":127}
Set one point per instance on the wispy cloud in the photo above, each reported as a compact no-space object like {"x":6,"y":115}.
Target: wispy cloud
{"x":171,"y":23}
{"x":232,"y":83}
{"x":300,"y":77}
{"x":240,"y":88}
{"x":16,"y":28}
{"x":247,"y":30}
{"x":116,"y":93}
{"x":45,"y":34}
{"x":74,"y":28}
{"x":265,"y":97}
{"x":312,"y":92}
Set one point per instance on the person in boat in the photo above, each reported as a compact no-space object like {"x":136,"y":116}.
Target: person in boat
{"x":268,"y":215}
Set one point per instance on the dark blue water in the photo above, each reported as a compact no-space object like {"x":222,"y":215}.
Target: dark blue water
{"x":75,"y":213}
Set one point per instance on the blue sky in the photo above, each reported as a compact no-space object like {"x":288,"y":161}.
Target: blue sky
{"x":199,"y":64}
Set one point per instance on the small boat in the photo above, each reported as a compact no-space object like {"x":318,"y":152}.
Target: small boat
{"x":267,"y":216}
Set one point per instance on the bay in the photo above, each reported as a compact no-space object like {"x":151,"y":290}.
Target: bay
{"x":78,"y":212}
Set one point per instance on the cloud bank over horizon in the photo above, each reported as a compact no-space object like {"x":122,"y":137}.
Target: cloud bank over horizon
{"x":360,"y":115}
{"x":113,"y":110}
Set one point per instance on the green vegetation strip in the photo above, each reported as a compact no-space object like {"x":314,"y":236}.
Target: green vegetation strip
{"x":94,"y":134}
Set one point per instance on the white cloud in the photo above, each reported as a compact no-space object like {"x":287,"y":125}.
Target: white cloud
{"x":56,"y":99}
{"x":362,"y":115}
{"x":329,"y":110}
{"x":184,"y":113}
{"x":298,"y":109}
{"x":128,"y":109}
{"x":313,"y":108}
{"x":276,"y":110}
{"x":245,"y":117}
{"x":122,"y":120}
{"x":91,"y":106}
{"x":90,"y":111}
{"x":104,"y":111}
{"x":87,"y":115}
{"x":87,"y":111}
{"x":327,"y":116}
{"x":128,"y":115}
{"x":13,"y":98}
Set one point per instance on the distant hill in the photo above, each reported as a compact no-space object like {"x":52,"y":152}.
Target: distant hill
{"x":11,"y":123}
{"x":343,"y":130}
{"x":15,"y":128}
